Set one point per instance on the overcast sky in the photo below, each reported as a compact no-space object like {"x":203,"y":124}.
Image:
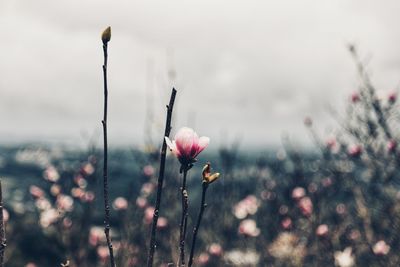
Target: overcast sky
{"x":244,"y":69}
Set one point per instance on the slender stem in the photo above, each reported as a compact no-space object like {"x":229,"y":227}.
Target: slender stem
{"x":183,"y":224}
{"x":160,"y":180}
{"x":105,"y":168}
{"x":203,"y":206}
{"x":2,"y":230}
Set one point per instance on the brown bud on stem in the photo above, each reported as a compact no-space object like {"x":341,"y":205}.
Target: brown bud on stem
{"x":106,"y":35}
{"x":207,"y":176}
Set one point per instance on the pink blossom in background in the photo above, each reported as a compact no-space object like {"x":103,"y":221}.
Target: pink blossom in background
{"x":392,"y":97}
{"x":51,"y":174}
{"x":147,"y":188}
{"x":312,"y":188}
{"x":87,"y":197}
{"x":80,"y":181}
{"x":355,"y":150}
{"x":67,"y":223}
{"x":77,"y":192}
{"x":215,"y":250}
{"x":141,"y":202}
{"x":148,"y":215}
{"x":341,"y":209}
{"x":30,"y":264}
{"x":36,"y":192}
{"x":322,"y":230}
{"x":148,"y":170}
{"x":65,"y":203}
{"x":55,"y":189}
{"x":332,"y":145}
{"x":203,"y":258}
{"x":326,"y":182}
{"x":187,"y":145}
{"x":306,"y":206}
{"x":354,"y":234}
{"x":48,"y":217}
{"x":96,"y":234}
{"x":308,"y":121}
{"x":355,"y":97}
{"x":102,"y":253}
{"x":249,"y":227}
{"x":286,"y":223}
{"x":391,"y":146}
{"x":43,"y":204}
{"x":247,"y":206}
{"x":381,"y":248}
{"x":298,"y":193}
{"x":88,"y":169}
{"x":120,"y":203}
{"x":344,"y":258}
{"x":162,"y":222}
{"x":6,"y":215}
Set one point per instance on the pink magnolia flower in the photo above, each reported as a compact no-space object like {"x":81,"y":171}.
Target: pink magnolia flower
{"x":187,"y":145}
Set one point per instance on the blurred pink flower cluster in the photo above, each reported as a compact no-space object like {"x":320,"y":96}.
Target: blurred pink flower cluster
{"x":304,"y":202}
{"x":247,"y":206}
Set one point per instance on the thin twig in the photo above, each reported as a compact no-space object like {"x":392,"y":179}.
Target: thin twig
{"x":203,"y":206}
{"x":160,"y":180}
{"x":183,"y":224}
{"x":106,"y":38}
{"x":2,"y":230}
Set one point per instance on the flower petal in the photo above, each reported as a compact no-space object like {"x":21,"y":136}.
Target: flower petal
{"x":203,"y":143}
{"x":184,"y":141}
{"x":195,"y":146}
{"x":169,"y":143}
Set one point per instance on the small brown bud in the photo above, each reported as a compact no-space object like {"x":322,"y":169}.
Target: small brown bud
{"x":106,"y":35}
{"x":213,"y":177}
{"x":207,"y":176}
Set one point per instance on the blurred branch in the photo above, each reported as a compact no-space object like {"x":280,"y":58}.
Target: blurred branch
{"x":160,"y":179}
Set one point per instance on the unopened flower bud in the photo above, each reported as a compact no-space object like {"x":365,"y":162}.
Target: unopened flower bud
{"x":106,"y":35}
{"x":207,"y":176}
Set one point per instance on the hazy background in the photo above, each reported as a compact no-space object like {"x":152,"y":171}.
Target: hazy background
{"x":243,"y":69}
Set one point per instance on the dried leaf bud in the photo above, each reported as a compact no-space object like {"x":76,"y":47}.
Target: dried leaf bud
{"x":213,"y":177}
{"x":207,"y":176}
{"x":206,"y":170}
{"x":106,"y":35}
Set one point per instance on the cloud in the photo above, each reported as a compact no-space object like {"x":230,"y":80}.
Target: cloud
{"x":252,"y":69}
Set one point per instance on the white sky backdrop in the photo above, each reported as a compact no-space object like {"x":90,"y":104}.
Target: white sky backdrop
{"x":248,"y":69}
